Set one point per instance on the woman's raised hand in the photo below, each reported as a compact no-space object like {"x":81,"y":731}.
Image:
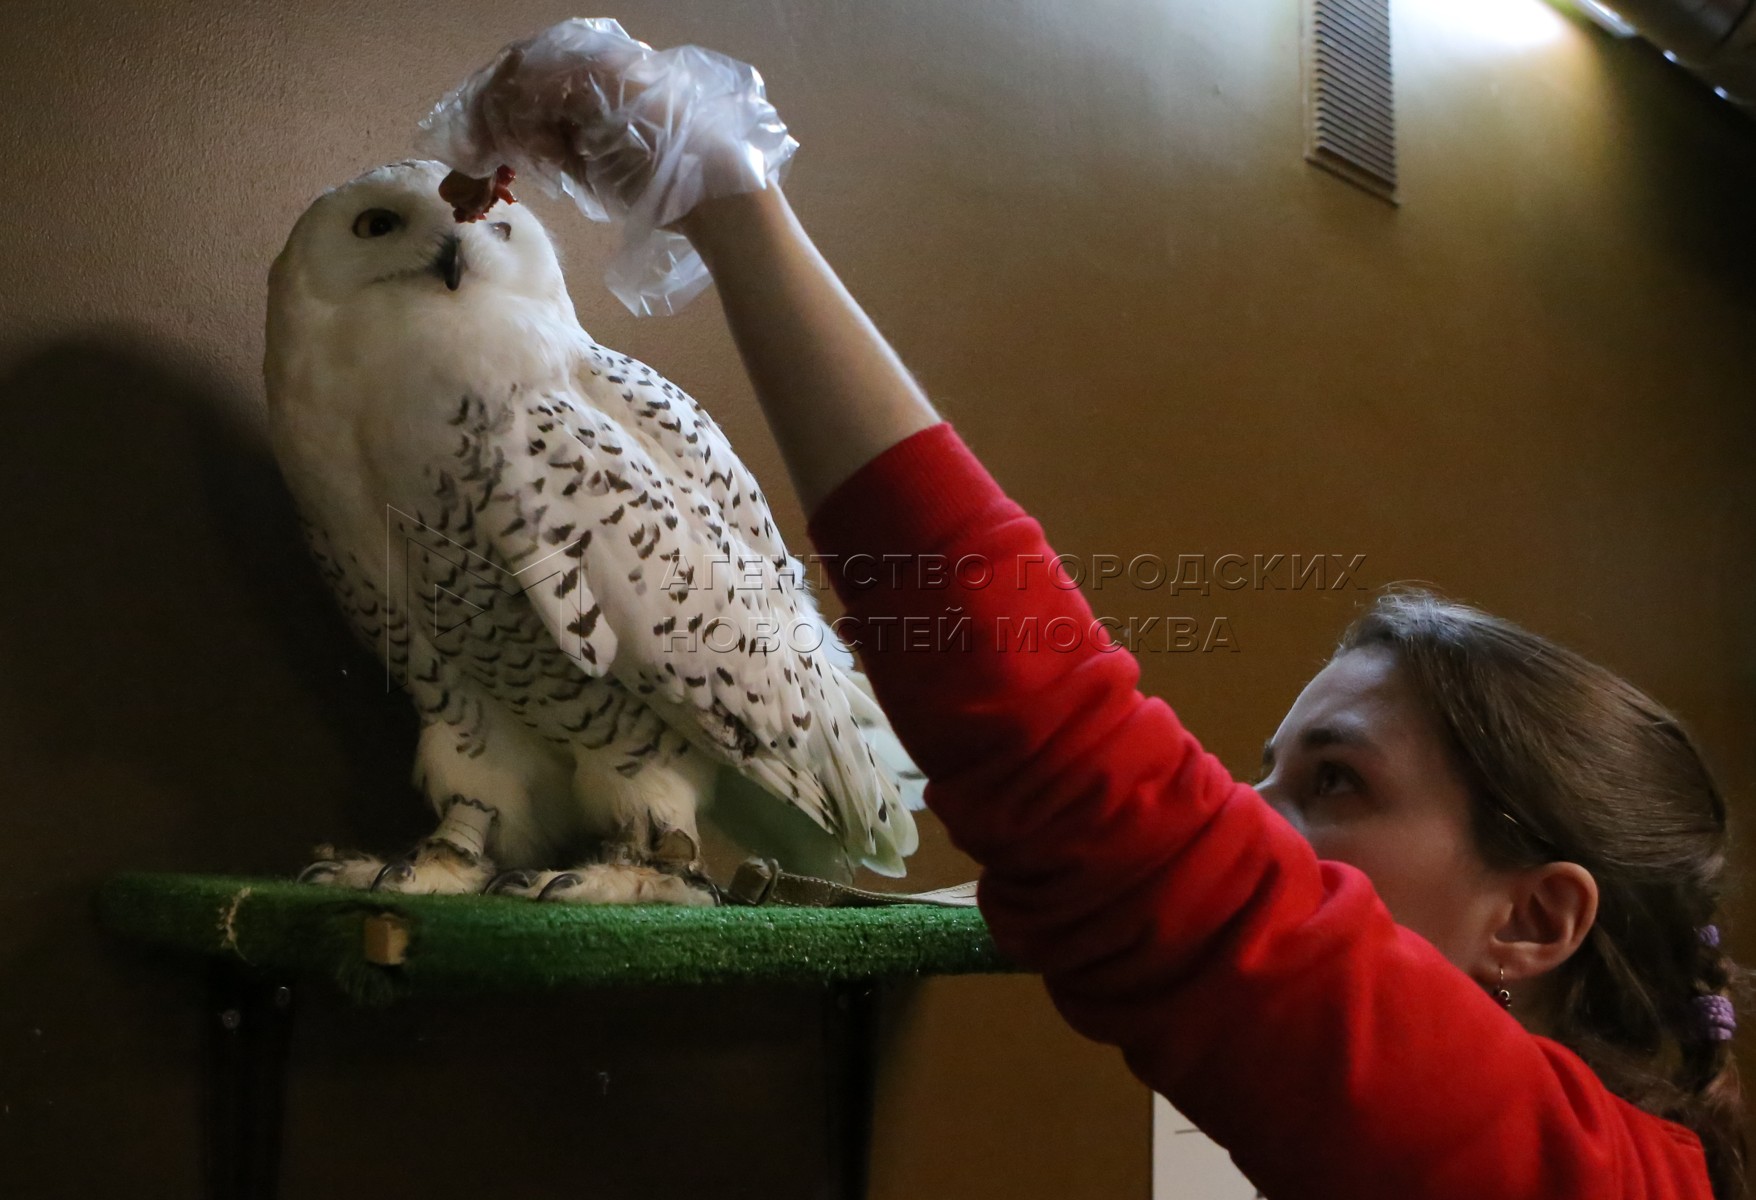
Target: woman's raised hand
{"x":628,"y":132}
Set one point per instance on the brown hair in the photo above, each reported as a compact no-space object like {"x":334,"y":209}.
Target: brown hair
{"x":1566,"y":762}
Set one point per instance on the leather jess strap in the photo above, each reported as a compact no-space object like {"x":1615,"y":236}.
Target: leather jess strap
{"x":761,"y":881}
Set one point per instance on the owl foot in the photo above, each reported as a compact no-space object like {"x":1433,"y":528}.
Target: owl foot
{"x":436,"y":868}
{"x":347,"y":869}
{"x":604,"y":883}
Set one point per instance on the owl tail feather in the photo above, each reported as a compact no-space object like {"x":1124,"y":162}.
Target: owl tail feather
{"x":875,"y":726}
{"x":897,"y":768}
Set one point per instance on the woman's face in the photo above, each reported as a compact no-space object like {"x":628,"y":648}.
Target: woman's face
{"x":1360,"y":768}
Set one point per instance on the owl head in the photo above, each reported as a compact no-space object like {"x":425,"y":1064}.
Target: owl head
{"x":388,"y":234}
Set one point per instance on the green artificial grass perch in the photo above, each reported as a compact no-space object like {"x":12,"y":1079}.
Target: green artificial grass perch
{"x":505,"y":944}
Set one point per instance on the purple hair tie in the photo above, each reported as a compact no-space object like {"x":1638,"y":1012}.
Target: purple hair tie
{"x":1718,"y":1020}
{"x":1709,"y":935}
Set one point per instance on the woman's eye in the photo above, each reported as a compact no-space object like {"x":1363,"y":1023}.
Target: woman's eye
{"x":376,"y":222}
{"x":1332,"y":778}
{"x":502,"y":230}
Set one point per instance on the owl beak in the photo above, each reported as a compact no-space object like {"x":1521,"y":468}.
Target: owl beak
{"x":449,"y":264}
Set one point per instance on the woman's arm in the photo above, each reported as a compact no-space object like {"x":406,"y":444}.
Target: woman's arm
{"x":1169,"y":910}
{"x":835,"y":393}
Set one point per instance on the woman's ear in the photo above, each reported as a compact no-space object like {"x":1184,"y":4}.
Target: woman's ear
{"x":1553,"y":907}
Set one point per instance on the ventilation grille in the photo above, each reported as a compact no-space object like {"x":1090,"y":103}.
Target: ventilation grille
{"x":1351,"y":99}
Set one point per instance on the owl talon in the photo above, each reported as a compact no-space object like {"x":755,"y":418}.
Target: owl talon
{"x":340,"y":869}
{"x":565,"y":880}
{"x":509,"y":881}
{"x":392,"y":875}
{"x":320,"y":872}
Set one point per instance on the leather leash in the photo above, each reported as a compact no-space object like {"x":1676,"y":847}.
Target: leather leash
{"x":761,"y":881}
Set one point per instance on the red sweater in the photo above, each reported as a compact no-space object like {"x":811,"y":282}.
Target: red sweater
{"x":1267,"y":994}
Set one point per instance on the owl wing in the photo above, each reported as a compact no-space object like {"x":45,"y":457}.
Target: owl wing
{"x":678,"y":586}
{"x":686,"y":436}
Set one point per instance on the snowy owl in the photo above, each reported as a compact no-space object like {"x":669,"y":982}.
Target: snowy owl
{"x":563,"y":563}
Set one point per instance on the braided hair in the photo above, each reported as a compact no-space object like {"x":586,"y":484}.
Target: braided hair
{"x":1593,"y":771}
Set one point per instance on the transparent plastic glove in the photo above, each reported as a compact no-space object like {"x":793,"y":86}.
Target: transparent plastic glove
{"x":628,"y":132}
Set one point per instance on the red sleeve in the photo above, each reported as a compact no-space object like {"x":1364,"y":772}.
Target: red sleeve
{"x":1171,"y":912}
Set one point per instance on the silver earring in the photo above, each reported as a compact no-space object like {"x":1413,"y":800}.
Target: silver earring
{"x":1501,"y":994}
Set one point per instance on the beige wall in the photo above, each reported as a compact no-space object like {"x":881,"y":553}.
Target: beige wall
{"x":1088,"y":227}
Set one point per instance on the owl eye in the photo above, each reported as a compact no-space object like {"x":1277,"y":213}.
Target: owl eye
{"x":376,"y":222}
{"x":502,"y":230}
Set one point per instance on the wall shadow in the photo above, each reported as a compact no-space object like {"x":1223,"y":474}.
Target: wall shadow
{"x":175,"y":693}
